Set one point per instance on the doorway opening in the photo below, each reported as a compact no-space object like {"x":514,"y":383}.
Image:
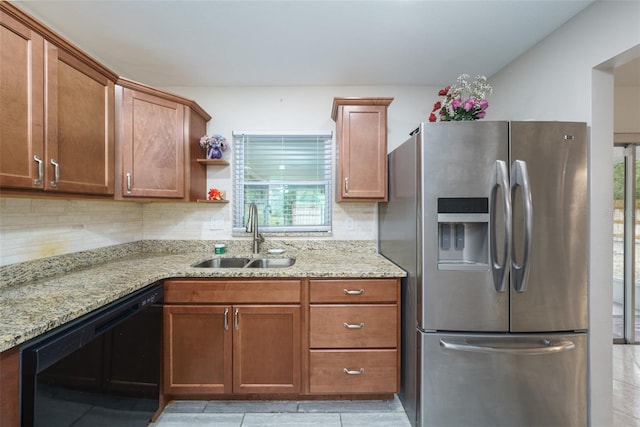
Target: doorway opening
{"x":626,"y":241}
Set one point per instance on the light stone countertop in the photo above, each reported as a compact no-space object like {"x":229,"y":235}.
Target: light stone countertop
{"x":36,"y":297}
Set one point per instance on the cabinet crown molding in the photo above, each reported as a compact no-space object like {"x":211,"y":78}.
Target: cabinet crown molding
{"x":141,"y":87}
{"x":338,"y":101}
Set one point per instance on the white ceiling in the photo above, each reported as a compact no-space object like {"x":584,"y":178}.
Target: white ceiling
{"x":304,"y":42}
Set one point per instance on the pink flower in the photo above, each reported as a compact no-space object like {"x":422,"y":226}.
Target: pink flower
{"x":457,"y":102}
{"x":469,"y":103}
{"x":481,"y":114}
{"x":484,"y":104}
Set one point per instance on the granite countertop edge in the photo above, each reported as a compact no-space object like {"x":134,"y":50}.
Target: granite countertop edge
{"x":41,"y":303}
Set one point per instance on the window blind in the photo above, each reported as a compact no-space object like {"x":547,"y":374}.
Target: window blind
{"x":287,"y":176}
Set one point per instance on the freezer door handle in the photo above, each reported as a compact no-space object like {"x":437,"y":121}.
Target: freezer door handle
{"x":522,"y":349}
{"x":499,"y":270}
{"x":520,"y":178}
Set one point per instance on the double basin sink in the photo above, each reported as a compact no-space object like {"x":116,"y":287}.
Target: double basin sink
{"x":246,"y":263}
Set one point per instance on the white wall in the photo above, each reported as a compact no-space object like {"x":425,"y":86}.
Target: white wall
{"x":556,"y":80}
{"x":304,"y":108}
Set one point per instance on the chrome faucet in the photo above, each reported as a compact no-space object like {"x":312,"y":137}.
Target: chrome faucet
{"x":252,"y":227}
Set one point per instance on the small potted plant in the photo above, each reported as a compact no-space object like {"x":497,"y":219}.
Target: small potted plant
{"x":214,"y":145}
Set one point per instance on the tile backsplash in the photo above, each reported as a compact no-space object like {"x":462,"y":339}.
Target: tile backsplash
{"x":37,"y":228}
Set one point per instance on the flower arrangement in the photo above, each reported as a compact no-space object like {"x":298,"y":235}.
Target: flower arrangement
{"x":215,"y":194}
{"x":464,"y":101}
{"x":214,"y":145}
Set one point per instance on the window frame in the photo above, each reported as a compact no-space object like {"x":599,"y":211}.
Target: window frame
{"x":240,"y":207}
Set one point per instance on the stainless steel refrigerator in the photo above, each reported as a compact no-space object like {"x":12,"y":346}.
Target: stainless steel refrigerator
{"x":489,"y":219}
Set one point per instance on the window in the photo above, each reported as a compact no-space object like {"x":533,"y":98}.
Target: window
{"x":288,"y":177}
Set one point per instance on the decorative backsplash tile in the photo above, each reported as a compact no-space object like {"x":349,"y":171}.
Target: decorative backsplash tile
{"x":32,"y":229}
{"x":37,"y":228}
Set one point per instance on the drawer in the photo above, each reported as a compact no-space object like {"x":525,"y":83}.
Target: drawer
{"x":367,"y":371}
{"x":353,"y":326}
{"x":231,"y":291}
{"x":353,"y":291}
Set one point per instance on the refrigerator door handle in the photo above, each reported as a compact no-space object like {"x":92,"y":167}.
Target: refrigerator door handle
{"x":500,"y":182}
{"x":530,"y":349}
{"x":520,"y":178}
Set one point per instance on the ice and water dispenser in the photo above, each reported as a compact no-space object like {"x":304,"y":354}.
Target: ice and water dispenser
{"x":463,"y":233}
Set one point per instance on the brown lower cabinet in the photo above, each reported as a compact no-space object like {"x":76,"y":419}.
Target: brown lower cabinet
{"x":254,"y":338}
{"x":354,"y":336}
{"x":231,"y":337}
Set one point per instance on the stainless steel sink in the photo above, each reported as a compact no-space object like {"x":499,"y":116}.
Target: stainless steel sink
{"x":223,"y":263}
{"x":271,"y":263}
{"x":246,"y":263}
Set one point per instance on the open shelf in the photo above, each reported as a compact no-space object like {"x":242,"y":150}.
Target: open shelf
{"x":220,"y":162}
{"x":211,"y":201}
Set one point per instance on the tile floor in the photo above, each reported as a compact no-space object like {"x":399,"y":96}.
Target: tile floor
{"x":626,"y":385}
{"x":371,"y":413}
{"x":626,"y":406}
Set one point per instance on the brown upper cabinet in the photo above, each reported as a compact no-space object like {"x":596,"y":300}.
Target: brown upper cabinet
{"x":361,"y":148}
{"x":157,"y":145}
{"x":57,"y":115}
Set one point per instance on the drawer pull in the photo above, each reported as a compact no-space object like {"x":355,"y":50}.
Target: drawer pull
{"x":350,"y":292}
{"x":349,"y":372}
{"x":348,"y":326}
{"x":226,"y":319}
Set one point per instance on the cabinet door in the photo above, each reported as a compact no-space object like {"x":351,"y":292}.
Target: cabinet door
{"x":10,"y":387}
{"x":153,"y":146}
{"x":362,"y":153}
{"x":266,"y":349}
{"x":22,"y":97}
{"x":197,"y":349}
{"x":80,"y":126}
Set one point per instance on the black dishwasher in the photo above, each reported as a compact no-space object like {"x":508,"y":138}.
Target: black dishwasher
{"x":102,"y":369}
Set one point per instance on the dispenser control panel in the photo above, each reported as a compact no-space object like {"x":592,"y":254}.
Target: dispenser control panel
{"x":463,"y":233}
